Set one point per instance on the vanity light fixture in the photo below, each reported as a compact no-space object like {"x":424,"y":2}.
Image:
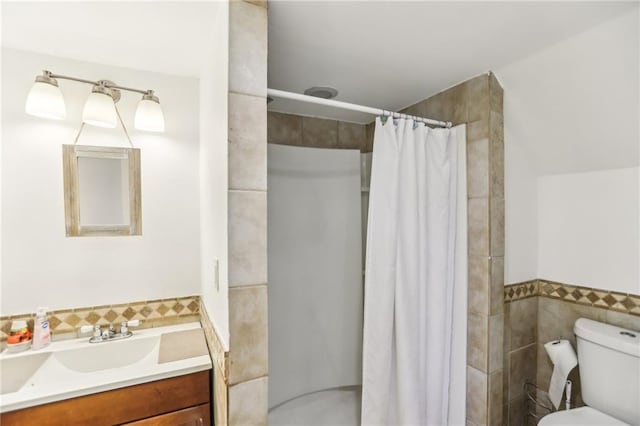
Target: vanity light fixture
{"x":100,"y":108}
{"x":149,"y":115}
{"x":45,"y":100}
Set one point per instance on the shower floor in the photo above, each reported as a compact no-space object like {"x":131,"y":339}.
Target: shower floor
{"x":336,"y":407}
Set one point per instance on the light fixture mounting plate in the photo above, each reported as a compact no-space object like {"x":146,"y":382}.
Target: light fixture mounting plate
{"x":46,"y":78}
{"x":110,"y":90}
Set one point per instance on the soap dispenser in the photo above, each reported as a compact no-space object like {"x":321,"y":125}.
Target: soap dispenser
{"x":41,"y":330}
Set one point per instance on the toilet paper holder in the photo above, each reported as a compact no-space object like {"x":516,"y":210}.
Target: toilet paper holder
{"x":537,"y":402}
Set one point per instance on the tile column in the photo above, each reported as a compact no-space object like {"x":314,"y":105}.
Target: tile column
{"x":247,"y":214}
{"x":485,"y":182}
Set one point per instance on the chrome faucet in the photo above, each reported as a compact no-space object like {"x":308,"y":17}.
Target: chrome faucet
{"x":109,"y":333}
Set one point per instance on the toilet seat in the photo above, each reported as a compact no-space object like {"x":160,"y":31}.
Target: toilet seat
{"x":579,"y":417}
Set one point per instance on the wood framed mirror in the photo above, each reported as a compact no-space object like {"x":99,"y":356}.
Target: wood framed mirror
{"x":102,"y":195}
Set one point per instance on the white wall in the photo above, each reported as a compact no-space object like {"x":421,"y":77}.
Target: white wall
{"x":588,"y":226}
{"x":521,"y":209}
{"x":564,"y":101}
{"x":1,"y":149}
{"x":42,"y":267}
{"x":572,"y":109}
{"x":213,"y":173}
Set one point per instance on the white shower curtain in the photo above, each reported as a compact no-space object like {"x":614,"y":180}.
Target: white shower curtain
{"x":409,"y":275}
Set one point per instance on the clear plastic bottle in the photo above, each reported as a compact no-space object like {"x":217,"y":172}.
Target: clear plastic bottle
{"x":41,"y":330}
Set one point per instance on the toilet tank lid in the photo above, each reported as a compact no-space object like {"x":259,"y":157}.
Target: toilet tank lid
{"x":620,"y":339}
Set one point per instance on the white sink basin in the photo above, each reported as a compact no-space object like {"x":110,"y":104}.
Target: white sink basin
{"x":14,"y":372}
{"x":76,"y":367}
{"x":107,"y":355}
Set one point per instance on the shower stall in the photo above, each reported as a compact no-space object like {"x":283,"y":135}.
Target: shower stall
{"x":318,"y":216}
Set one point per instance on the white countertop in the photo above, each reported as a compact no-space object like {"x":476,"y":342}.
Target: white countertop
{"x":76,"y":367}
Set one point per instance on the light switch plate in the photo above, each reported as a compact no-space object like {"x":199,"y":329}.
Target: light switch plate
{"x":216,"y":274}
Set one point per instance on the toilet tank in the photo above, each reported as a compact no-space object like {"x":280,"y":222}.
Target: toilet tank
{"x":609,"y":359}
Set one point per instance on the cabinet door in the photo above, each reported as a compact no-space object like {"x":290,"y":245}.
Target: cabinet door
{"x":195,"y":416}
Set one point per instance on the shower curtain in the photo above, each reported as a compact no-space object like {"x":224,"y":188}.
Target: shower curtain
{"x":409,"y":275}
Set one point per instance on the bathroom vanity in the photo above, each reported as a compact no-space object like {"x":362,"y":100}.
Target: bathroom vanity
{"x":159,"y":376}
{"x":182,"y":400}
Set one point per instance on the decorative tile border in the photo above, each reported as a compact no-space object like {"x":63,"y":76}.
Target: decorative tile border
{"x":152,"y":313}
{"x":622,"y":302}
{"x":520,"y":291}
{"x":627,"y":303}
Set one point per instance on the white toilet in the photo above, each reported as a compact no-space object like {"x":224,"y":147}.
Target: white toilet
{"x":609,"y":360}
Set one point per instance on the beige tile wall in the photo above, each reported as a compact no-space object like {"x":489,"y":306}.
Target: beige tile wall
{"x":296,"y":130}
{"x":520,"y":354}
{"x":247,"y":375}
{"x":539,"y":311}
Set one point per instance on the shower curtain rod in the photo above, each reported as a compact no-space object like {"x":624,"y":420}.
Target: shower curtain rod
{"x":352,"y":107}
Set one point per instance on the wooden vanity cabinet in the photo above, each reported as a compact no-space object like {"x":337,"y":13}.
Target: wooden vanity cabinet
{"x":194,"y":416}
{"x":182,"y":400}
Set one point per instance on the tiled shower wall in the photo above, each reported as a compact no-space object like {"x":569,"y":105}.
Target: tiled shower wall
{"x":539,"y":311}
{"x":296,"y":130}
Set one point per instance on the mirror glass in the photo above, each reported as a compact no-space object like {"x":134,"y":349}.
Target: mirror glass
{"x":104,"y":191}
{"x":102,"y":195}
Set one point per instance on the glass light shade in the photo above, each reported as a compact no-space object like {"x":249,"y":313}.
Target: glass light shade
{"x":45,"y":100}
{"x":149,"y":116}
{"x":99,"y":110}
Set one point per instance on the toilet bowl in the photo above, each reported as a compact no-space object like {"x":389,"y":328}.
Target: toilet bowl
{"x":609,"y":359}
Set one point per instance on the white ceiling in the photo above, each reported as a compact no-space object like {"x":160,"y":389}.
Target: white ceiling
{"x":392,"y":54}
{"x":166,"y":37}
